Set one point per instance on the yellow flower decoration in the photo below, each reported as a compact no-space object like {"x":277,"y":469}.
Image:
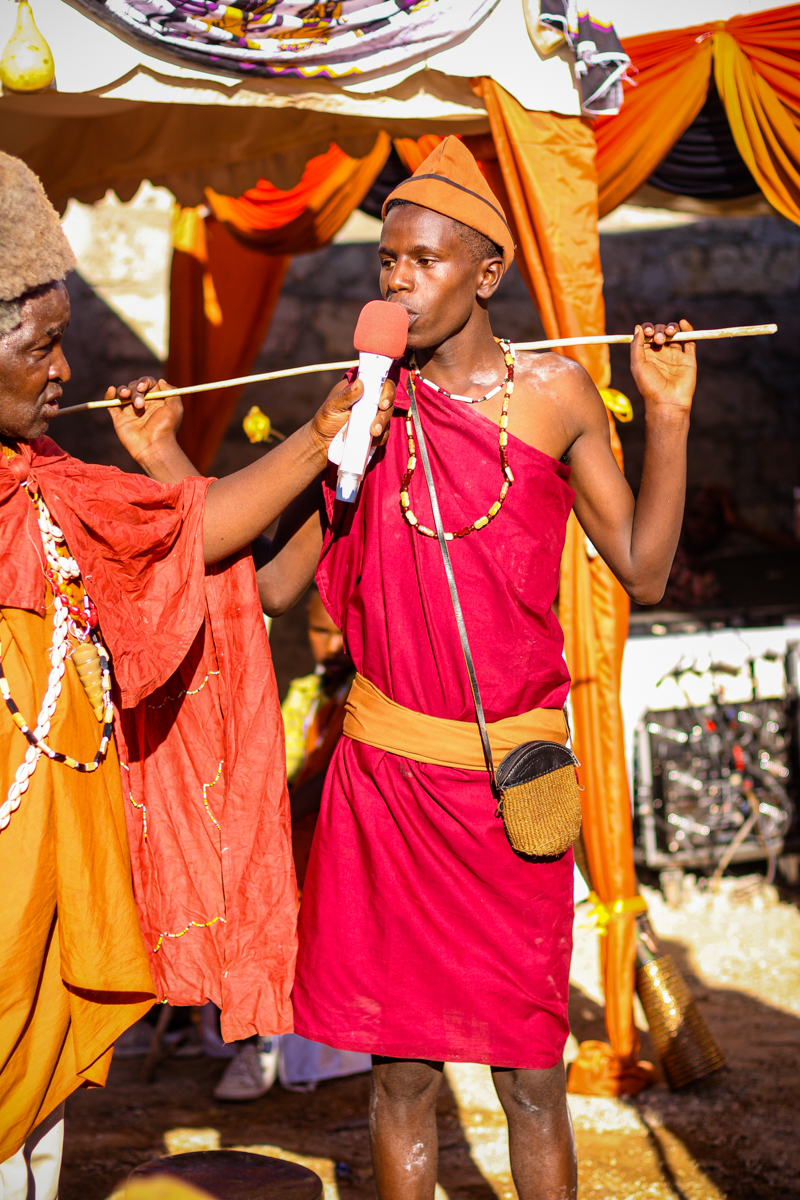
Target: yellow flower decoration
{"x":618,"y":404}
{"x":257,"y":425}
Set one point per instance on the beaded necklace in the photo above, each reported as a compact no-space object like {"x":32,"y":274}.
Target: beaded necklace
{"x":508,"y":478}
{"x":502,"y":343}
{"x":81,"y":621}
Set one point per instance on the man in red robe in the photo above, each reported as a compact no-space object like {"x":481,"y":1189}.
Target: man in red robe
{"x":423,"y":936}
{"x":135,"y":687}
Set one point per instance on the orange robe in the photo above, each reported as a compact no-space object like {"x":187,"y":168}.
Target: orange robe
{"x":73,"y":966}
{"x":200,"y":738}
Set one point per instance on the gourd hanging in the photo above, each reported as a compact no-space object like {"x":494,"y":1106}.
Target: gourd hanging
{"x":26,"y":64}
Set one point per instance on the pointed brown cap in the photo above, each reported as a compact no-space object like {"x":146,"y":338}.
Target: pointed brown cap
{"x":450,"y":182}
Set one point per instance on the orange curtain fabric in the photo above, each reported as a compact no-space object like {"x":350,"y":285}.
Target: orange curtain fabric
{"x":593,"y":609}
{"x":307,"y":216}
{"x":765,"y":123}
{"x":756,"y":63}
{"x":222,"y":297}
{"x":227,"y":273}
{"x":771,"y":41}
{"x":544,"y":174}
{"x":547,"y":170}
{"x":413,"y":152}
{"x":671,"y":85}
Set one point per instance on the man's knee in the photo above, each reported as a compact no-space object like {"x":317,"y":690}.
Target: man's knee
{"x":406,"y":1083}
{"x":537,"y":1095}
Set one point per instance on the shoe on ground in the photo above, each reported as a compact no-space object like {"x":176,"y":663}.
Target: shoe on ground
{"x":251,"y":1074}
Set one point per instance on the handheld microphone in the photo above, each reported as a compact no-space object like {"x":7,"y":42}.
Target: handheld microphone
{"x":380,"y":337}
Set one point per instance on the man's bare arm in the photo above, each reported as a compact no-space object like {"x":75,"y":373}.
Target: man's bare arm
{"x":239,"y":507}
{"x":294,"y":553}
{"x":638,"y":537}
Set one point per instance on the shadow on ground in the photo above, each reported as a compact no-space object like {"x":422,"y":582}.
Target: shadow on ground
{"x":739,"y":1127}
{"x":742,"y":1124}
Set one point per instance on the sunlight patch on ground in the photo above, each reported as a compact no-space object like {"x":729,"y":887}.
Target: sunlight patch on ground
{"x":324,"y":1167}
{"x":645,"y":1163}
{"x":188,"y":1141}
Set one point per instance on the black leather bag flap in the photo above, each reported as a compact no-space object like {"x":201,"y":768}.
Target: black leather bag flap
{"x":532,"y":760}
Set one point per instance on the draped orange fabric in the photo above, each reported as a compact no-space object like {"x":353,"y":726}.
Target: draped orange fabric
{"x":220,"y":311}
{"x":544,"y":175}
{"x":593,"y":610}
{"x":673,"y":70}
{"x":546,"y":163}
{"x":413,"y":152}
{"x":228,"y":270}
{"x":771,"y":41}
{"x":765,"y":127}
{"x":307,"y":216}
{"x":756,"y":63}
{"x":73,"y":966}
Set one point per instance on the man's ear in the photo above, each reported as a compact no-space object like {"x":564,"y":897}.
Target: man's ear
{"x":492,"y":271}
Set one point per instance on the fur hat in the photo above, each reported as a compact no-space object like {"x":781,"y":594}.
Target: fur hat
{"x":33,"y":247}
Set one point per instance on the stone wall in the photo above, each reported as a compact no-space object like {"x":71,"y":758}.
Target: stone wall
{"x":746,"y":425}
{"x":746,"y":419}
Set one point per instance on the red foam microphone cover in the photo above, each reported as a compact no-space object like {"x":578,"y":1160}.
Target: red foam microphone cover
{"x":382,"y":329}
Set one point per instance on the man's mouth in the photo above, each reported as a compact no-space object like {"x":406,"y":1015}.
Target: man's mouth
{"x":412,"y":316}
{"x":50,"y":406}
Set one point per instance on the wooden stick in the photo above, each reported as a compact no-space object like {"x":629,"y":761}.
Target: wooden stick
{"x":603,"y":339}
{"x":624,"y":339}
{"x":210,"y":387}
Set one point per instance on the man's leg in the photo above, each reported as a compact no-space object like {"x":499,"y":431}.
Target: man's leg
{"x":402,"y":1127}
{"x":32,"y":1173}
{"x":539,"y":1132}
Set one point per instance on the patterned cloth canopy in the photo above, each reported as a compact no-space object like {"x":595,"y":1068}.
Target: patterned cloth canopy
{"x":331,"y":39}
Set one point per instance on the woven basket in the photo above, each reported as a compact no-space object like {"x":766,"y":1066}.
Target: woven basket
{"x":542,"y":817}
{"x":686,"y":1049}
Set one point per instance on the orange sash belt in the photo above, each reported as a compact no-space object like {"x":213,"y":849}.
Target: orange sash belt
{"x":373,"y":718}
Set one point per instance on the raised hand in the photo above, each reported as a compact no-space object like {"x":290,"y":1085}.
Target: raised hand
{"x":664,"y":371}
{"x":145,"y":426}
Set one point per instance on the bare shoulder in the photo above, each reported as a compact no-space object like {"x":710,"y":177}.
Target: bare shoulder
{"x":559,"y":383}
{"x":546,"y":370}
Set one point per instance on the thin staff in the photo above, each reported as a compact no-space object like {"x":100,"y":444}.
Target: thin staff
{"x":603,"y":339}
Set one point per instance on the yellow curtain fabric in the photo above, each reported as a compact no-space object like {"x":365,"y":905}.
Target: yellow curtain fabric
{"x":756,"y":65}
{"x":765,"y":129}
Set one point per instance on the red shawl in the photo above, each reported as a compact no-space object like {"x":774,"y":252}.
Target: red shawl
{"x":198,"y":727}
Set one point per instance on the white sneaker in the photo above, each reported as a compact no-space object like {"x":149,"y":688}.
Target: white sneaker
{"x":251,"y":1074}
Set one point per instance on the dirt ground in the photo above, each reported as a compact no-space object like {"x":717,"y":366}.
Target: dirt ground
{"x":734,"y":1135}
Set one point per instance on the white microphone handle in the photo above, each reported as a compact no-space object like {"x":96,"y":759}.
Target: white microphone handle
{"x":372,"y":371}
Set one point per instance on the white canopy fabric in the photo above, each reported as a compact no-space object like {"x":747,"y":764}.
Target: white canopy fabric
{"x":91,"y":60}
{"x":120,"y":115}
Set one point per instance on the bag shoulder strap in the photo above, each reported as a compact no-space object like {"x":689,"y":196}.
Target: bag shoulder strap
{"x":451,"y":582}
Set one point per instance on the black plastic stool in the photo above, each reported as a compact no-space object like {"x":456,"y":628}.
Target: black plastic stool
{"x":237,"y":1175}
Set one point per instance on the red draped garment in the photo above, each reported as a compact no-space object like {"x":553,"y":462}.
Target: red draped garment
{"x":422,"y":934}
{"x":198,"y":727}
